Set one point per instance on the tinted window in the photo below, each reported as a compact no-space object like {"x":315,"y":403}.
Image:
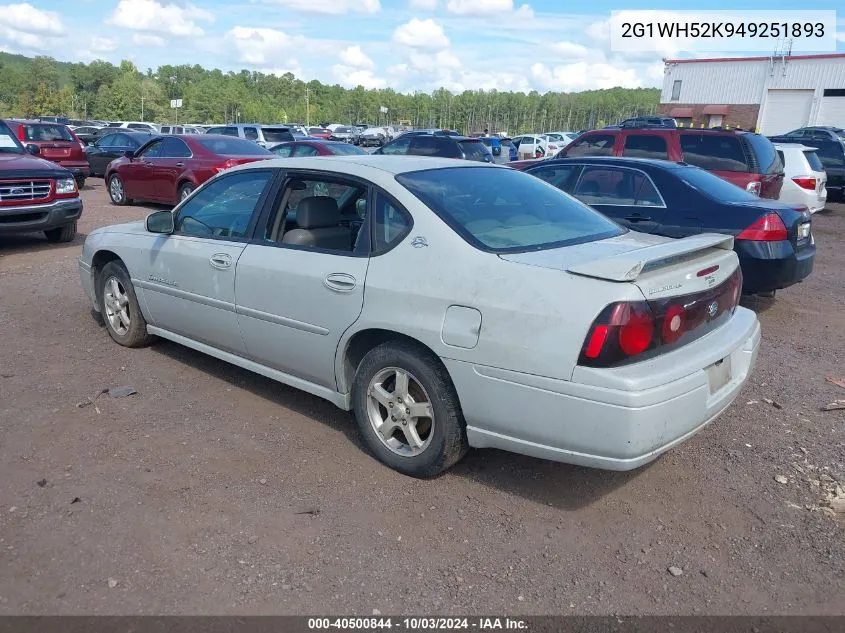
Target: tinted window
{"x":112,"y":140}
{"x":390,"y":222}
{"x":139,"y":126}
{"x":345,"y":149}
{"x":232,"y":146}
{"x":645,"y":146}
{"x":224,"y":207}
{"x":768,"y":161}
{"x":475,"y":150}
{"x":795,"y":133}
{"x":831,"y":154}
{"x":251,"y":133}
{"x":812,"y":160}
{"x":714,"y":152}
{"x":153,"y":150}
{"x":428,"y":146}
{"x":282,"y":150}
{"x":399,"y":146}
{"x":276,"y":134}
{"x":593,"y":145}
{"x":714,"y":187}
{"x":618,"y":187}
{"x":46,"y":132}
{"x":227,"y":130}
{"x":556,"y":175}
{"x":165,"y":129}
{"x":506,"y":210}
{"x":305,"y":150}
{"x":174,"y":148}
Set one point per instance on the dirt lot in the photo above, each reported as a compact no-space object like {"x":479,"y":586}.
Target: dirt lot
{"x":217,"y":491}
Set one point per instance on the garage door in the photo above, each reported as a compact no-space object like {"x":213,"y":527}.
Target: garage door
{"x":786,"y":110}
{"x":832,"y":109}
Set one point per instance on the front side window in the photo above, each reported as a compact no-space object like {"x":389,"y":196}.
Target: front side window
{"x":282,"y":151}
{"x":617,"y":187}
{"x":112,"y":140}
{"x":399,"y":146}
{"x":153,"y":150}
{"x":714,"y":152}
{"x":557,"y":175}
{"x":223,"y":208}
{"x":503,"y":210}
{"x":593,"y":145}
{"x":645,"y":146}
{"x":305,"y":150}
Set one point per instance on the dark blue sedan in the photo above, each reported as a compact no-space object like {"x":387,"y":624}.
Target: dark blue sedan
{"x":774,"y":241}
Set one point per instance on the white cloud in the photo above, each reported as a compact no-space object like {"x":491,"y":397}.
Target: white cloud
{"x":161,"y":16}
{"x":331,"y":7}
{"x":102,"y":44}
{"x":29,"y":28}
{"x":421,"y":34}
{"x":486,"y":7}
{"x":145,"y":39}
{"x":656,"y":72}
{"x":841,"y":36}
{"x":569,"y":50}
{"x":584,"y":76}
{"x":354,"y":57}
{"x":423,"y":5}
{"x":353,"y":77}
{"x":428,"y":62}
{"x":259,"y":46}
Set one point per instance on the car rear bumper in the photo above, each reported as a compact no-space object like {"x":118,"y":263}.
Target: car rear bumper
{"x":39,"y":217}
{"x":768,"y":266}
{"x":616,"y":428}
{"x":78,"y":169}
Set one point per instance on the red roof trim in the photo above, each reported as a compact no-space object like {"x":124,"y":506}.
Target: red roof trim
{"x":750,"y":59}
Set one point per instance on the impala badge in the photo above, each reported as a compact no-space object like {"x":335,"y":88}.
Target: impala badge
{"x":712,"y":309}
{"x":419,"y":241}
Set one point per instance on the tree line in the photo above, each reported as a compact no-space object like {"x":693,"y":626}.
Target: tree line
{"x":40,"y":86}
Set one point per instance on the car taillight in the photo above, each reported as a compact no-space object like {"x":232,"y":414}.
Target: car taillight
{"x":754,"y":187}
{"x":21,"y":134}
{"x":769,"y":228}
{"x":224,"y":166}
{"x":805,"y":182}
{"x":633,"y":330}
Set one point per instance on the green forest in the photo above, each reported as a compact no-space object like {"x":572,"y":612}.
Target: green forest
{"x":40,"y":86}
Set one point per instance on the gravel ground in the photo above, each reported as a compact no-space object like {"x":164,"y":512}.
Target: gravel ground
{"x":216,"y":491}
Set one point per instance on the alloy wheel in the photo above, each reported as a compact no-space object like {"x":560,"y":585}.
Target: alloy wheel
{"x":400,"y":411}
{"x":116,"y":302}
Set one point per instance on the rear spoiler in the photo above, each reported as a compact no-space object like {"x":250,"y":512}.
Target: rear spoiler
{"x":629,"y":266}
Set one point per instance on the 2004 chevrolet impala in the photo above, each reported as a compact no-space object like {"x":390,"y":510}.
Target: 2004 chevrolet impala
{"x":449,"y":304}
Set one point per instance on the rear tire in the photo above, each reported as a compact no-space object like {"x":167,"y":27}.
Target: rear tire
{"x":439,"y":430}
{"x":119,"y":307}
{"x":117,"y":192}
{"x":185,"y":190}
{"x":80,"y":182}
{"x":61,"y":234}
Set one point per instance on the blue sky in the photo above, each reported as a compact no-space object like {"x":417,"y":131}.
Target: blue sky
{"x":404,"y":44}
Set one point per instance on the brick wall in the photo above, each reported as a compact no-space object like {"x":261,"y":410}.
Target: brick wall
{"x":739,"y":115}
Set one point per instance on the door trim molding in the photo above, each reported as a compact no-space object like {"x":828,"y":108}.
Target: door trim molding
{"x":184,"y":294}
{"x":279,"y":320}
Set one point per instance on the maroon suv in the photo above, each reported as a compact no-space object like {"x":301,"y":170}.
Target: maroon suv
{"x":743,"y":158}
{"x":35,"y":194}
{"x":56,"y":143}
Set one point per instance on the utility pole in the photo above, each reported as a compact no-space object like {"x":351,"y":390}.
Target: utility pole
{"x":142,"y":108}
{"x":307,"y":109}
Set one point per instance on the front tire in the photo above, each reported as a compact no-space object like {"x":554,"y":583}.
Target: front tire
{"x":408,"y":411}
{"x":119,"y":307}
{"x":61,"y":234}
{"x":117,"y":192}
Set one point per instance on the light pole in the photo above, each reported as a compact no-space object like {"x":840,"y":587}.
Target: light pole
{"x":142,"y":108}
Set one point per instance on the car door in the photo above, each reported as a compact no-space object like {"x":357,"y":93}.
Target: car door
{"x":100,"y":153}
{"x":169,"y":167}
{"x":190,"y":277}
{"x":832,"y":155}
{"x":300,"y":284}
{"x":138,"y":174}
{"x":627,"y":196}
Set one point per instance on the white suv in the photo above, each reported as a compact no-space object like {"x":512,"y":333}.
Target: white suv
{"x":804,"y":176}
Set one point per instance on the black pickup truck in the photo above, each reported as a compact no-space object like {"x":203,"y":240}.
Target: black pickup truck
{"x":35,"y":194}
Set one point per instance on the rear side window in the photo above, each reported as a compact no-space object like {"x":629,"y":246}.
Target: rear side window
{"x":714,"y":187}
{"x":251,"y":133}
{"x":557,"y":175}
{"x":226,"y":130}
{"x":175,"y":148}
{"x":433,"y":146}
{"x":232,"y":146}
{"x":768,"y":161}
{"x":276,"y":135}
{"x":474,"y":150}
{"x":593,"y":145}
{"x":813,"y":161}
{"x":714,"y":152}
{"x":616,"y":187}
{"x":46,"y":133}
{"x":831,"y":154}
{"x":645,"y":146}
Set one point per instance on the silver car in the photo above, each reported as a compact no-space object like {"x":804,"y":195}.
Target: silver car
{"x":449,"y":304}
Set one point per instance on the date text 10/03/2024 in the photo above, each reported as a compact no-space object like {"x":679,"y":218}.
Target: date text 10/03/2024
{"x":418,"y":623}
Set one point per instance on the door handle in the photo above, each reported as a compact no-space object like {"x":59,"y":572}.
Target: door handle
{"x":221,"y":261}
{"x":180,"y":164}
{"x":638,"y":218}
{"x":341,"y":282}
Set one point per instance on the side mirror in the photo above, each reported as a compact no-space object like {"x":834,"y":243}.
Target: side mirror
{"x":33,"y":149}
{"x":130,"y":154}
{"x":160,"y":222}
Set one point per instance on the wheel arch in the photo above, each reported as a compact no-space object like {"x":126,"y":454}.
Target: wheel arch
{"x":98,"y":262}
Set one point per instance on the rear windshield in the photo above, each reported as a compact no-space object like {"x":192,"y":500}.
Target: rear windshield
{"x":8,"y":143}
{"x":714,"y":187}
{"x":276,"y":134}
{"x":504,"y":210}
{"x":715,"y":152}
{"x":46,"y":132}
{"x":474,"y":150}
{"x":343,"y":130}
{"x":813,"y":160}
{"x":768,"y":160}
{"x":346,"y":149}
{"x":232,"y":146}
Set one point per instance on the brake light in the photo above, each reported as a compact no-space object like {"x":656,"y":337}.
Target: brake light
{"x":806,"y":182}
{"x":769,"y":228}
{"x":21,"y":133}
{"x":636,"y":331}
{"x":224,"y":166}
{"x":673,"y":323}
{"x":754,"y":187}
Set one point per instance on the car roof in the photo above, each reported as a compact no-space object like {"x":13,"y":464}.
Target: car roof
{"x":392,"y":164}
{"x":618,"y":161}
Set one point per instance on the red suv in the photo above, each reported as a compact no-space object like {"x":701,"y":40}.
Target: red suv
{"x":56,"y":143}
{"x":743,"y":158}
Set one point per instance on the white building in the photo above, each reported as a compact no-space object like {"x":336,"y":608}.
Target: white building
{"x":771,"y":95}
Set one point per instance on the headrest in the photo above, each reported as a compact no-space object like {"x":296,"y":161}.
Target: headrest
{"x":317,"y":212}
